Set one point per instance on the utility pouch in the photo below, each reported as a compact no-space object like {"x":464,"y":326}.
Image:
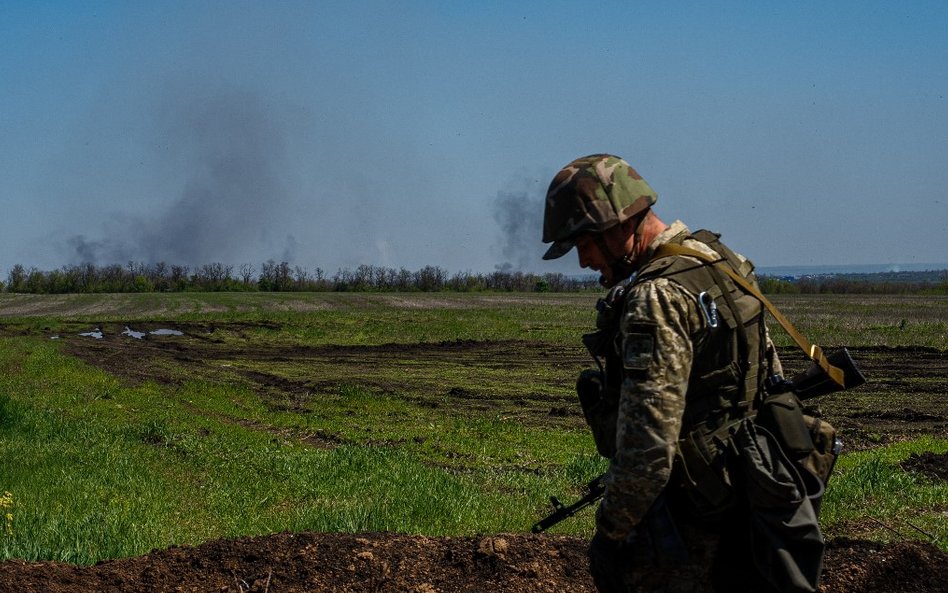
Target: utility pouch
{"x":782,"y":415}
{"x":783,"y":534}
{"x":700,"y":464}
{"x":825,"y":450}
{"x":589,"y":389}
{"x":599,"y":409}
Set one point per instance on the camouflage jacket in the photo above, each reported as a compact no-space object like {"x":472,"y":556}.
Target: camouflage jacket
{"x":662,"y":328}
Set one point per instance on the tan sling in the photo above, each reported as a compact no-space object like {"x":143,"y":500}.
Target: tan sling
{"x":813,"y":351}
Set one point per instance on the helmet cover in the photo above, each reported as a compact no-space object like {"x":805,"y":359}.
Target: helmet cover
{"x":591,"y":194}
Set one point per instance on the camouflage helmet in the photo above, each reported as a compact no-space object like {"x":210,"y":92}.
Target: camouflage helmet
{"x":591,"y":194}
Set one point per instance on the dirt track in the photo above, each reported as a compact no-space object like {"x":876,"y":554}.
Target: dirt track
{"x":904,"y":399}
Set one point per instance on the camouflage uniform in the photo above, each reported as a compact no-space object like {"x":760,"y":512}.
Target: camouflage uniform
{"x":661,"y":320}
{"x":668,"y":375}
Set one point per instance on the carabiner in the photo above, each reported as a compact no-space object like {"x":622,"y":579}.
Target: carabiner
{"x":709,"y":309}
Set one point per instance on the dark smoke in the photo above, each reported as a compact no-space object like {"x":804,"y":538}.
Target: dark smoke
{"x":289,"y":249}
{"x":85,"y":250}
{"x":520,"y":218}
{"x":228,"y":153}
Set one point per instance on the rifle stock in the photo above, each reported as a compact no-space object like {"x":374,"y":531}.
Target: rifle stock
{"x":814,"y":382}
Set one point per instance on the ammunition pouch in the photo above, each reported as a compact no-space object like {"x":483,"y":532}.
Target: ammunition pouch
{"x":782,"y":415}
{"x":807,"y":440}
{"x":600,"y":409}
{"x":702,"y":475}
{"x":589,"y":389}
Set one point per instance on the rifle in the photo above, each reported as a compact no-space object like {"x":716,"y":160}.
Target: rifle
{"x":594,"y":491}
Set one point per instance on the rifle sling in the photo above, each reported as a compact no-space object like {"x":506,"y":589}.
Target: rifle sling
{"x":814,"y":352}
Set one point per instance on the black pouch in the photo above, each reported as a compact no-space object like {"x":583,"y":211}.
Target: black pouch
{"x":782,"y":415}
{"x":589,"y":389}
{"x":600,"y":409}
{"x":783,"y":534}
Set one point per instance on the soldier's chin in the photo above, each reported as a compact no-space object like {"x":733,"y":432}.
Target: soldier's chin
{"x":616,"y":273}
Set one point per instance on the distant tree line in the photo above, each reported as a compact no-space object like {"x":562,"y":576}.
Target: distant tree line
{"x":276,"y":277}
{"x":282,"y":277}
{"x":935,"y":282}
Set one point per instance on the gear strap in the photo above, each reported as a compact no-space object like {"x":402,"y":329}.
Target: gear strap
{"x":814,"y":352}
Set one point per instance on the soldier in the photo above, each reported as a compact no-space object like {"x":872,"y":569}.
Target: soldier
{"x":683,"y":355}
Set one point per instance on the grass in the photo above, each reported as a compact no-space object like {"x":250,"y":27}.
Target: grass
{"x":101,"y":470}
{"x":871,"y":490}
{"x":866,"y":320}
{"x":96,"y":467}
{"x":364,"y":318}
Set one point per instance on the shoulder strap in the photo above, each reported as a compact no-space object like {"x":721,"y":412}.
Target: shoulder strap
{"x":814,"y":352}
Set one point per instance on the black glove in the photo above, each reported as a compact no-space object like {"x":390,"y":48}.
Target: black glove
{"x":607,"y":563}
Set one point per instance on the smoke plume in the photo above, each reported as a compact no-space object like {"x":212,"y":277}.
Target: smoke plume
{"x":520,"y":219}
{"x":229,"y":154}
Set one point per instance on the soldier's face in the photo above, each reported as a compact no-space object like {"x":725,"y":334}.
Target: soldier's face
{"x":590,"y":255}
{"x":619,"y":240}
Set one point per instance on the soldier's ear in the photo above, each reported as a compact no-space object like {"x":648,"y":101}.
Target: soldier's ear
{"x":630,"y":225}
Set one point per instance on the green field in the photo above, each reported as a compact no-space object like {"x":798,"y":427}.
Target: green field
{"x":438,"y":414}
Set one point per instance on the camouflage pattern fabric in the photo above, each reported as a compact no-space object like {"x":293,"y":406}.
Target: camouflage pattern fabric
{"x":592,"y":193}
{"x":652,"y":401}
{"x":658,"y":327}
{"x":650,"y":408}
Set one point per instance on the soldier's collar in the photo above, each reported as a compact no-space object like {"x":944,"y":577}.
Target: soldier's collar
{"x":671,"y":232}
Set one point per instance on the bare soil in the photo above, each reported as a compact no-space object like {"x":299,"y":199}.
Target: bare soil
{"x":389,"y":563}
{"x":904,"y":399}
{"x":933,"y":465}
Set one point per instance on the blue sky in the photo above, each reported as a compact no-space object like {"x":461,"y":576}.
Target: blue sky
{"x":333,"y":134}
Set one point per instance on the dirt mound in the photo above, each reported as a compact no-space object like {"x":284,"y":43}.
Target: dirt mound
{"x":326,"y":562}
{"x":871,"y":567}
{"x":933,"y":465}
{"x":378,"y":563}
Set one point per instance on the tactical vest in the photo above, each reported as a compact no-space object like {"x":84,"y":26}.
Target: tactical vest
{"x":727,"y":375}
{"x":730,"y":360}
